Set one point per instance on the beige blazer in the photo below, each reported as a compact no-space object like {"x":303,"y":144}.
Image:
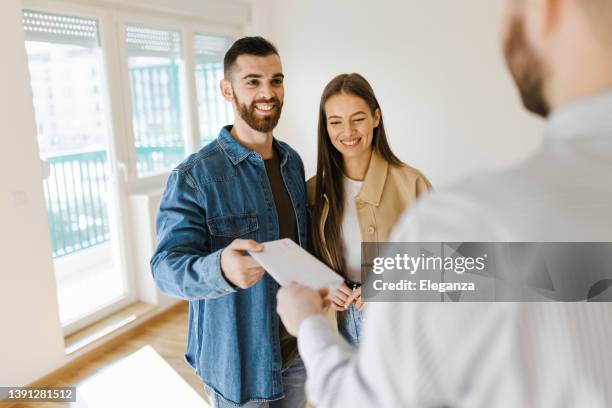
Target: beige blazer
{"x":387,"y":191}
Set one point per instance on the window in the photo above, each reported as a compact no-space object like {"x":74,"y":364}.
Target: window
{"x":64,"y":54}
{"x":155,"y":67}
{"x":214,"y":112}
{"x":85,"y":197}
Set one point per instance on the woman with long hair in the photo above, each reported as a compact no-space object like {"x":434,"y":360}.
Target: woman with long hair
{"x":360,"y":190}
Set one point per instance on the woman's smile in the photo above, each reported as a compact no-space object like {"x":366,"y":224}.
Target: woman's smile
{"x":350,"y":142}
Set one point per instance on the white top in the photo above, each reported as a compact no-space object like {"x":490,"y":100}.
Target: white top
{"x":351,"y":235}
{"x":490,"y":354}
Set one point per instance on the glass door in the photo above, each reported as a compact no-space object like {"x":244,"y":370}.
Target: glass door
{"x":74,"y":131}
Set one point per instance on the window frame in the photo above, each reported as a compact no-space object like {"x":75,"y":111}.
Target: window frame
{"x":119,"y":207}
{"x":187,"y":29}
{"x":112,"y":19}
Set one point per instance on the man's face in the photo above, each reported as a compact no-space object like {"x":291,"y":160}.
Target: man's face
{"x":257,"y":91}
{"x":526,"y":66}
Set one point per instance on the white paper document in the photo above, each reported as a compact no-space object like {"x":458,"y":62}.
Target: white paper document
{"x":287,"y":262}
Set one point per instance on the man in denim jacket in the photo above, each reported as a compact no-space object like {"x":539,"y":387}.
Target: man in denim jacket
{"x":243,"y":188}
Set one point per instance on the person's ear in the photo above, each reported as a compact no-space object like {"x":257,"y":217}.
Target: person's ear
{"x":377,"y":116}
{"x":227,"y":90}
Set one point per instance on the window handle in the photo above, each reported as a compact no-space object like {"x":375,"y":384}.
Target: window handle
{"x":123,"y":169}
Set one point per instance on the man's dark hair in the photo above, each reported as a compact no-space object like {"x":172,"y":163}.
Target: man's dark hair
{"x":257,"y":46}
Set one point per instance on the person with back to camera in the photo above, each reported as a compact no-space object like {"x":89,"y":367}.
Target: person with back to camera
{"x":550,"y":354}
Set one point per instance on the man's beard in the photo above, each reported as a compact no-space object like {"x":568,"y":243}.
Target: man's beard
{"x":527,"y":69}
{"x":261,"y":124}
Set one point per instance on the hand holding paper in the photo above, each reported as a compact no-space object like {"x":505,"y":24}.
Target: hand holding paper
{"x":296,"y":302}
{"x":241,"y":270}
{"x":305,"y":281}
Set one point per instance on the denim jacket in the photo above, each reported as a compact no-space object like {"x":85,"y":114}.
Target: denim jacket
{"x":215,"y":196}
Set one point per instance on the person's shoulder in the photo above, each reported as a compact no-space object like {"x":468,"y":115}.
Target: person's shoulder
{"x":463,"y":212}
{"x":210,"y":152}
{"x":542,"y":198}
{"x":405,"y":169}
{"x":208,"y":164}
{"x":410,"y":176}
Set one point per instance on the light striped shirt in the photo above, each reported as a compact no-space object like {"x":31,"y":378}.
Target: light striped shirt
{"x":490,"y":354}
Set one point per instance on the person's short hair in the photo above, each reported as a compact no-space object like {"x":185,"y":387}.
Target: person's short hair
{"x":257,"y":46}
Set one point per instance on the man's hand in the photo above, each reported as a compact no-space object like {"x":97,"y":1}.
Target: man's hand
{"x":297,"y":302}
{"x":240,"y":269}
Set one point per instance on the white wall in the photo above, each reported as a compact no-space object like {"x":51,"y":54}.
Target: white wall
{"x":449,"y":105}
{"x":30,"y":333}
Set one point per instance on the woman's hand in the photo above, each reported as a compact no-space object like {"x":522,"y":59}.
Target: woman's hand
{"x":357,"y":299}
{"x":339,"y":297}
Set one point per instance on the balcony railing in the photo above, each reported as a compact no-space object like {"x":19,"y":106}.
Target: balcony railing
{"x":77,"y":189}
{"x":156,"y":117}
{"x":213,"y":111}
{"x":76,"y":193}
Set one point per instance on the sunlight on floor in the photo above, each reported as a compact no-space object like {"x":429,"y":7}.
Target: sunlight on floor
{"x":143,"y":379}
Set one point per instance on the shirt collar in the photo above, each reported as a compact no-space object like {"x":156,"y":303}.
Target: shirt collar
{"x":374,"y":180}
{"x":590,"y":116}
{"x":236,"y":152}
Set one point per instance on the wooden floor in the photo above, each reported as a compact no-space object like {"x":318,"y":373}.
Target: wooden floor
{"x":166,"y":336}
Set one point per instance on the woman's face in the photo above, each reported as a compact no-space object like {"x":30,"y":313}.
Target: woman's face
{"x":351,"y":125}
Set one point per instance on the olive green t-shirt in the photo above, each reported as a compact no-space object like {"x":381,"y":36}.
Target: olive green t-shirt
{"x":287,"y":228}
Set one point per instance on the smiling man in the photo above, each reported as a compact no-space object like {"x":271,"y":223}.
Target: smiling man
{"x":243,"y":188}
